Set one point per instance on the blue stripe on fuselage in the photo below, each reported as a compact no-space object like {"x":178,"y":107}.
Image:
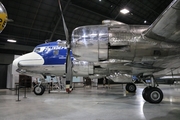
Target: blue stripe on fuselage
{"x":48,"y":53}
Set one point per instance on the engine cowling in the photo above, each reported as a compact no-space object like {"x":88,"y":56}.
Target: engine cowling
{"x":104,"y":42}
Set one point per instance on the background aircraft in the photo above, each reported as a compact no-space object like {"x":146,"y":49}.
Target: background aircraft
{"x":143,"y":51}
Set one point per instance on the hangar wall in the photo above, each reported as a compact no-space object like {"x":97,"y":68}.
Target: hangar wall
{"x":12,"y":75}
{"x":6,"y":58}
{"x":3,"y":76}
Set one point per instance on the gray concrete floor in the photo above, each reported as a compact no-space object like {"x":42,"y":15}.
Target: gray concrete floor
{"x":90,"y":104}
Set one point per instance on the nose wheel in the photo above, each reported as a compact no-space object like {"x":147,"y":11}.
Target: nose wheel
{"x":39,"y":89}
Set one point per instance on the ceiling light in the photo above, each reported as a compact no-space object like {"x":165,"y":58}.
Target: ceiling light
{"x":124,"y":11}
{"x":145,"y":21}
{"x":100,"y":0}
{"x":11,"y":40}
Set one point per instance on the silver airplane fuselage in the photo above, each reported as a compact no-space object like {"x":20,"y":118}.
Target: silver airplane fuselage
{"x":120,"y":47}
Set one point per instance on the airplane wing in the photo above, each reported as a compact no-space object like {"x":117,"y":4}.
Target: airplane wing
{"x":166,"y":27}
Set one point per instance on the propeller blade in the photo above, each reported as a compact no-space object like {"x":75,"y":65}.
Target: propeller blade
{"x":68,"y":66}
{"x":64,"y":24}
{"x":68,"y":56}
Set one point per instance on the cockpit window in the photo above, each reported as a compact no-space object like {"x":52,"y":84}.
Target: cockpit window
{"x":39,"y":49}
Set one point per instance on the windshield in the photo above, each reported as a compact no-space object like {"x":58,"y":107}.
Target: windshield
{"x":39,"y":49}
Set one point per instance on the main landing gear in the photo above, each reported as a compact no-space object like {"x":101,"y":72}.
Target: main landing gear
{"x":151,"y":93}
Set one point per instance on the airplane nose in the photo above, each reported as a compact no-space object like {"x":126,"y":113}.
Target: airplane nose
{"x":29,"y":59}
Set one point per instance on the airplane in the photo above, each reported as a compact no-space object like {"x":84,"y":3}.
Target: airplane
{"x":147,"y":52}
{"x":49,"y":59}
{"x":55,"y":59}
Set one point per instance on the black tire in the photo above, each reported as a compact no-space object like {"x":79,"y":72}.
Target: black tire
{"x":154,"y":95}
{"x":144,"y":92}
{"x":131,"y":87}
{"x":39,"y":89}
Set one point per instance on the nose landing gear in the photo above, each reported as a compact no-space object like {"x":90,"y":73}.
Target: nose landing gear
{"x":39,"y":89}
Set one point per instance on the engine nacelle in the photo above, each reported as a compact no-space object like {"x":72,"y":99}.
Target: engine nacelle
{"x":103,"y":42}
{"x":90,"y":43}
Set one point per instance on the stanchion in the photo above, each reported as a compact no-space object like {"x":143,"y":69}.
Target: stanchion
{"x":18,"y":95}
{"x":25,"y":90}
{"x":17,"y":84}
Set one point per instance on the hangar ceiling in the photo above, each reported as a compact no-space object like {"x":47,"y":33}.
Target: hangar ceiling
{"x":35,"y":21}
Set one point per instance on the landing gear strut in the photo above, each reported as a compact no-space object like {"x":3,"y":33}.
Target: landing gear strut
{"x":151,"y":93}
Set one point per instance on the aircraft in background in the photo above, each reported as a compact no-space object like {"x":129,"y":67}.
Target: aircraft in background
{"x":140,"y":50}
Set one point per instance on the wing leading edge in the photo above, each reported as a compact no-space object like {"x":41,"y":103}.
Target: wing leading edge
{"x":166,"y":27}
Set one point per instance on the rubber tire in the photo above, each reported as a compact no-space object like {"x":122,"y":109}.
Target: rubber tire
{"x":154,"y":95}
{"x":39,"y":90}
{"x":131,"y":87}
{"x":144,"y":92}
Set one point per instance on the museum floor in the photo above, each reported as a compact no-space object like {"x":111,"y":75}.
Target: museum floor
{"x":90,"y":104}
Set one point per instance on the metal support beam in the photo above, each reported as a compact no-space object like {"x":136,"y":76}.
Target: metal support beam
{"x":35,"y":18}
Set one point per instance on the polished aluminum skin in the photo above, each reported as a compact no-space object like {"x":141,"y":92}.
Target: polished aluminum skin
{"x":116,"y":47}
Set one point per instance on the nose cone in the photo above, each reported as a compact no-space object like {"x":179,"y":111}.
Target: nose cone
{"x":29,"y":59}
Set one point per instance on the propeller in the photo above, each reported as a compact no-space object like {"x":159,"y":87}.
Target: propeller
{"x":68,"y":45}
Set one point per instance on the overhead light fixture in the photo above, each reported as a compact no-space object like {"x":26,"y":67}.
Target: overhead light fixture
{"x":124,"y":11}
{"x":11,"y":40}
{"x":99,"y":0}
{"x":145,"y":21}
